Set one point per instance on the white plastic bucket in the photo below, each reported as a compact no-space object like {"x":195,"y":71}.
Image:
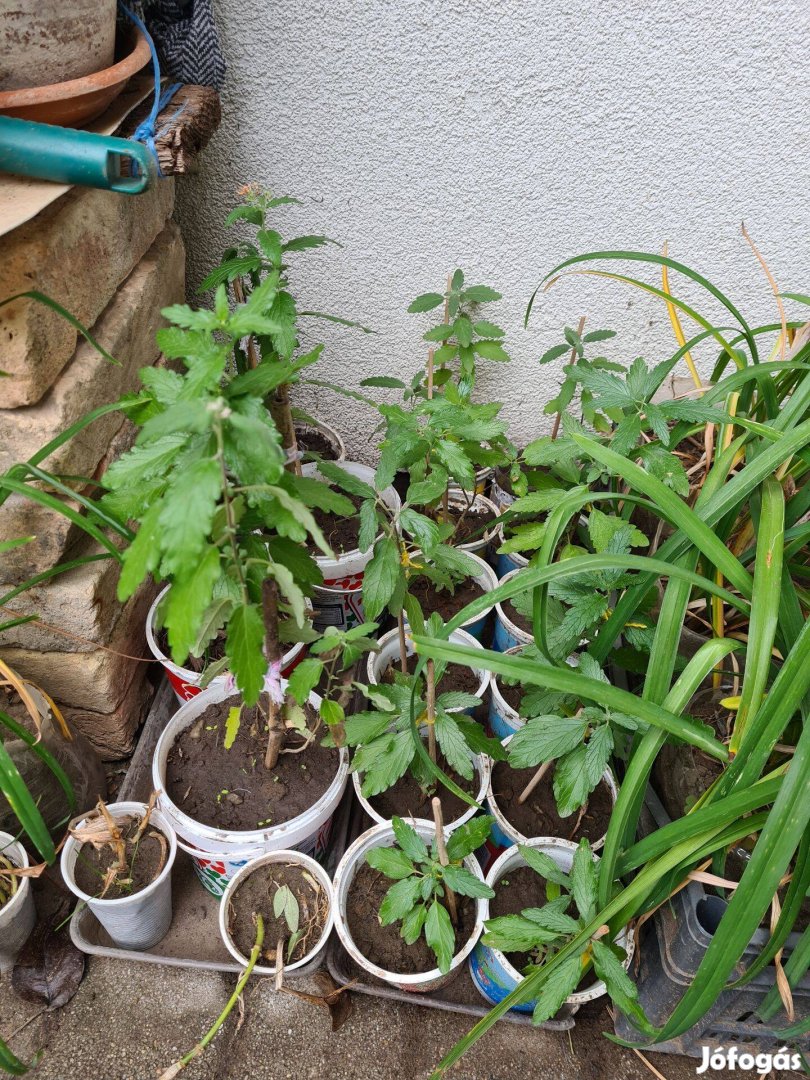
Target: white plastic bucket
{"x":503,"y":833}
{"x":17,"y":917}
{"x":491,"y":538}
{"x":505,"y":564}
{"x":508,"y":635}
{"x":141,"y":920}
{"x":503,"y":719}
{"x":312,"y":960}
{"x":186,"y":683}
{"x":387,"y":656}
{"x":338,"y":602}
{"x":488,"y":580}
{"x":328,"y":432}
{"x":383,"y":836}
{"x":308,"y":832}
{"x":494,"y":976}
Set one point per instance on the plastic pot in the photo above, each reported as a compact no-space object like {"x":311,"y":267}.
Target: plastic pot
{"x":338,"y":602}
{"x":493,"y":974}
{"x":219,"y":853}
{"x":184,"y":681}
{"x":18,"y":916}
{"x":307,"y":964}
{"x":503,"y":719}
{"x":488,"y":580}
{"x":508,"y":635}
{"x":504,"y":834}
{"x":378,"y":662}
{"x":141,"y":920}
{"x":505,"y":564}
{"x":332,"y":437}
{"x":491,"y":538}
{"x":383,"y":836}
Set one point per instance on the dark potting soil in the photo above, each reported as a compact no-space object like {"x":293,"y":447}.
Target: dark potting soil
{"x":447,"y":604}
{"x":512,"y":694}
{"x":342,"y":533}
{"x":469,"y":526}
{"x":312,"y":441}
{"x":145,"y":859}
{"x":231,"y":789}
{"x":406,"y":798}
{"x":215,"y":651}
{"x":518,"y":889}
{"x":682,"y":773}
{"x":383,"y":945}
{"x":255,"y":897}
{"x":511,"y":612}
{"x":456,"y":677}
{"x":538,"y":815}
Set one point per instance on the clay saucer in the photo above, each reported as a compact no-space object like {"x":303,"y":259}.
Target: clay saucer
{"x":77,"y":101}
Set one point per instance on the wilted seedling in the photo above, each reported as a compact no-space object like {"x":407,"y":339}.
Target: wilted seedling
{"x":101,"y":831}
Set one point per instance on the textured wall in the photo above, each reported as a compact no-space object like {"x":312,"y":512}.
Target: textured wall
{"x":504,"y":136}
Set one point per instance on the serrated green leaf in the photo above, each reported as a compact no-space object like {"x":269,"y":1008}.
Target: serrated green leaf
{"x":400,"y":899}
{"x":559,"y":985}
{"x":468,"y":837}
{"x":346,"y":481}
{"x":414,"y":921}
{"x":390,"y":861}
{"x":491,"y":350}
{"x":244,"y":647}
{"x":381,"y":576}
{"x":544,"y":738}
{"x":515,"y":933}
{"x":440,"y":936}
{"x":425,"y":302}
{"x":453,"y":746}
{"x":186,"y":515}
{"x":480,"y":294}
{"x":544,"y":865}
{"x":462,"y":881}
{"x":232,"y":725}
{"x":584,"y":877}
{"x":304,"y":678}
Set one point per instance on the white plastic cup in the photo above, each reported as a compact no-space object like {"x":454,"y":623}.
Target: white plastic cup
{"x":505,"y":564}
{"x":184,"y":681}
{"x":338,"y":602}
{"x":503,"y":833}
{"x":387,"y":655}
{"x":138,"y":921}
{"x":308,"y":832}
{"x":383,"y":836}
{"x":491,"y":538}
{"x":508,"y":635}
{"x":312,"y":960}
{"x":486,"y":577}
{"x":491,"y":971}
{"x":503,"y":719}
{"x":329,"y":433}
{"x":17,"y":917}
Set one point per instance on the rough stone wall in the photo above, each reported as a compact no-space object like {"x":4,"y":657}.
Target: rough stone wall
{"x":114,"y":262}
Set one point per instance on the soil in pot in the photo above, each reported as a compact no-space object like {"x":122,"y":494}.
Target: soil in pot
{"x":144,"y":858}
{"x":312,"y":441}
{"x":518,"y":889}
{"x":447,"y":604}
{"x":512,"y":694}
{"x":342,"y":533}
{"x":383,"y":945}
{"x":470,"y":525}
{"x":231,"y":789}
{"x":456,"y":677}
{"x":407,"y":798}
{"x":256,"y":895}
{"x":682,"y":773}
{"x":512,"y":613}
{"x":538,"y":816}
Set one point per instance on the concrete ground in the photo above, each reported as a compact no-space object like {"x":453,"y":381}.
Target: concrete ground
{"x":129,"y":1021}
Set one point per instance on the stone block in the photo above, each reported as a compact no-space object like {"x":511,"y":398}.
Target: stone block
{"x":77,"y":251}
{"x":126,"y":329}
{"x":113,"y":734}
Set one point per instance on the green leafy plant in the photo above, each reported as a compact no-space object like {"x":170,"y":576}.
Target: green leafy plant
{"x":735,"y":542}
{"x":422,"y":896}
{"x":542,"y":932}
{"x":385,"y":750}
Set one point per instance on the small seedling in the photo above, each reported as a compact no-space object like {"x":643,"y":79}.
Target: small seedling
{"x":542,"y":932}
{"x":419,"y":897}
{"x":99,"y":830}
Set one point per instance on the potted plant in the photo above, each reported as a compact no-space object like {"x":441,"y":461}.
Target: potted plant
{"x":428,"y":883}
{"x":292,"y":894}
{"x":17,"y":911}
{"x":118,"y":860}
{"x":542,"y":892}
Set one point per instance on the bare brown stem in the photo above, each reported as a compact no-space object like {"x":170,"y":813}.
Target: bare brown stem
{"x":272,"y":647}
{"x":535,"y":780}
{"x":449,"y":895}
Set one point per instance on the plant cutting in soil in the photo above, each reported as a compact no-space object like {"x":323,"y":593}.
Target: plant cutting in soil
{"x":292,"y":905}
{"x":538,"y":814}
{"x":385,"y":750}
{"x":538,"y":910}
{"x":118,"y":856}
{"x":432,"y":898}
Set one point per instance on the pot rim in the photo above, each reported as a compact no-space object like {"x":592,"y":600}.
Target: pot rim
{"x":285,"y":855}
{"x":523,"y":636}
{"x":508,"y":829}
{"x":505,"y":862}
{"x":245,"y":838}
{"x":466,"y":639}
{"x":18,"y":856}
{"x":122,"y":808}
{"x":344,"y":875}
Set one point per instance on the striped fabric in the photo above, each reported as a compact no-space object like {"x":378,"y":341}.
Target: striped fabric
{"x":187,"y":40}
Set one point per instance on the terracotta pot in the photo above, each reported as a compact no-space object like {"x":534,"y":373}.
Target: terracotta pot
{"x":77,"y":101}
{"x":51,"y":41}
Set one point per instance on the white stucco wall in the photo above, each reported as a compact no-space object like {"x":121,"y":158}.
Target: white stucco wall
{"x":504,"y":136}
